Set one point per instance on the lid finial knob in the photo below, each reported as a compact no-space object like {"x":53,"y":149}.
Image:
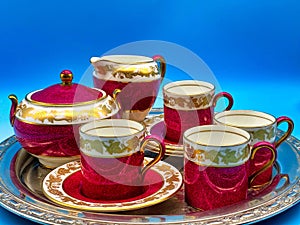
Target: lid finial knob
{"x":66,"y":77}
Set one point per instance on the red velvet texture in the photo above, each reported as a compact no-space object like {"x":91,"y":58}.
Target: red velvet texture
{"x":51,"y":140}
{"x":178,"y":121}
{"x":72,"y":186}
{"x":59,"y":94}
{"x":134,"y":95}
{"x":112,"y":178}
{"x":208,"y":188}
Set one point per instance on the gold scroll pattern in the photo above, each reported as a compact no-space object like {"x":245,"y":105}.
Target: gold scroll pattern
{"x":130,"y":72}
{"x":53,"y":181}
{"x":48,"y":115}
{"x":190,"y":102}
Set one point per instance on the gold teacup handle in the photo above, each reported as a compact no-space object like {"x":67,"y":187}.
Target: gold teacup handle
{"x":158,"y":157}
{"x":289,"y":130}
{"x":116,"y":92}
{"x":163,"y":65}
{"x":256,"y":148}
{"x":257,"y":189}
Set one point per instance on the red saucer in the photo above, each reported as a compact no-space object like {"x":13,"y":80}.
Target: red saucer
{"x":71,"y":185}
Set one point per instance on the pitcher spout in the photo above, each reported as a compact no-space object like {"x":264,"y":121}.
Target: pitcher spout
{"x":94,"y":59}
{"x":99,"y":68}
{"x":13,"y":108}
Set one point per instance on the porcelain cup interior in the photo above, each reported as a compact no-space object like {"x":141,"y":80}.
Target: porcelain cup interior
{"x":112,"y":155}
{"x":216,"y":169}
{"x":260,"y":125}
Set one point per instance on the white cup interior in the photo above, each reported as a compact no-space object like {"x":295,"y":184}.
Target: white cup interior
{"x":112,"y":128}
{"x":188,"y":87}
{"x":244,"y":118}
{"x":216,"y":135}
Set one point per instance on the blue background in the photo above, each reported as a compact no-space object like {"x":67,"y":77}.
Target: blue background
{"x":252,"y":47}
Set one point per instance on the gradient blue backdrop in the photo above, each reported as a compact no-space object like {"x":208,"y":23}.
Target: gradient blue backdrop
{"x":252,"y":47}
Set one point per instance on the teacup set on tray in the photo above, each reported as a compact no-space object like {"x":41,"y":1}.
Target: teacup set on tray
{"x":108,"y":127}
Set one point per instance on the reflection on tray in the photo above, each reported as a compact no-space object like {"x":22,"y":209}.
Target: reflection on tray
{"x":30,"y":174}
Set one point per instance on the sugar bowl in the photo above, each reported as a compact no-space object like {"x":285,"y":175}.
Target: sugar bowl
{"x":46,"y":122}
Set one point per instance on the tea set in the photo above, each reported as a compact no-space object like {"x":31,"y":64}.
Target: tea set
{"x":94,"y":139}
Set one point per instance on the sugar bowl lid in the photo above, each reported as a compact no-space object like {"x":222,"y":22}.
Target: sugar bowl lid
{"x":66,"y":103}
{"x":65,"y":93}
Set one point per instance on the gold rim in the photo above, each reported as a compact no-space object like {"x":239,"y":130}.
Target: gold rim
{"x":147,"y":60}
{"x":100,"y":136}
{"x":237,"y":132}
{"x":184,"y":83}
{"x":139,"y":131}
{"x":247,"y":113}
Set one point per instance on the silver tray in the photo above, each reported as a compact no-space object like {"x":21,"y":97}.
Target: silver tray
{"x":20,"y":193}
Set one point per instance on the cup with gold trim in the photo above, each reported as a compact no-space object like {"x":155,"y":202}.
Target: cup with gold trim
{"x":138,"y":77}
{"x":112,"y":158}
{"x":216,"y":165}
{"x":189,"y":103}
{"x":262,"y":127}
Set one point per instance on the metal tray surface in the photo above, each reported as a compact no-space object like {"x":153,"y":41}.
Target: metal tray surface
{"x":20,"y":192}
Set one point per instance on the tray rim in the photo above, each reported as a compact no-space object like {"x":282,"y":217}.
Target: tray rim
{"x":28,"y":210}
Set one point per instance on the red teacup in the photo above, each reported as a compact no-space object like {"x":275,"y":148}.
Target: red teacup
{"x":261,"y":127}
{"x":112,"y":155}
{"x":138,"y":77}
{"x":187,"y":104}
{"x":217,"y":161}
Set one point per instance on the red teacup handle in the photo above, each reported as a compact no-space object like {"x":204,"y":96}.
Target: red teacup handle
{"x":289,"y":130}
{"x":255,"y":148}
{"x":225,"y":95}
{"x":158,"y":157}
{"x":162,"y":64}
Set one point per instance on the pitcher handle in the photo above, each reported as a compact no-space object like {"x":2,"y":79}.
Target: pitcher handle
{"x":225,"y":95}
{"x":270,"y":163}
{"x":290,"y":129}
{"x":158,"y":157}
{"x":162,"y":64}
{"x":13,"y":108}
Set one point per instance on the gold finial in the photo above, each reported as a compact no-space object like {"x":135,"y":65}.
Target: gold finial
{"x":66,"y":77}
